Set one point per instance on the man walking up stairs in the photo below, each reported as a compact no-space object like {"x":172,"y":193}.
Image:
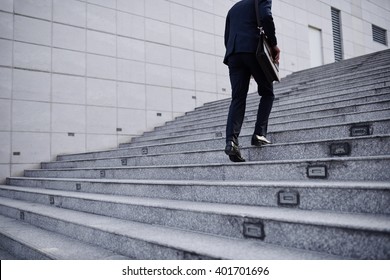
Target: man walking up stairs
{"x":321,"y":191}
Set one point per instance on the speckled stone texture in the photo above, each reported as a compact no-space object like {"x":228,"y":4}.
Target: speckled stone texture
{"x":358,"y":168}
{"x":359,"y":197}
{"x":359,"y":146}
{"x":172,"y":193}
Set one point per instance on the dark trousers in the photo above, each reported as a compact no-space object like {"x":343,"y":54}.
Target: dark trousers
{"x":241,"y":67}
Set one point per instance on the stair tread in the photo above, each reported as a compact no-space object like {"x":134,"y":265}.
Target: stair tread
{"x":280,"y":113}
{"x":348,"y":220}
{"x":50,"y":244}
{"x":383,"y":114}
{"x":269,"y":162}
{"x":142,"y":144}
{"x":308,"y":95}
{"x":314,"y":141}
{"x":188,"y":133}
{"x":230,"y":183}
{"x":199,"y":243}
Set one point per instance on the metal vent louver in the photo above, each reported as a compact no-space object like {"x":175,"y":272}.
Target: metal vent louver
{"x":379,"y":35}
{"x":337,"y":35}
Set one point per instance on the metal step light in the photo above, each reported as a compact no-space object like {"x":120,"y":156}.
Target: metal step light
{"x":102,"y":174}
{"x":340,"y":149}
{"x":218,"y":135}
{"x":51,"y":199}
{"x":78,"y":187}
{"x":288,"y":198}
{"x":145,"y":150}
{"x":360,"y":130}
{"x":124,"y":161}
{"x":21,"y":215}
{"x":252,"y":230}
{"x":317,"y":172}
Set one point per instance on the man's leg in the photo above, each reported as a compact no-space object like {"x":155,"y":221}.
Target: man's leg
{"x":239,"y":79}
{"x":264,"y":110}
{"x":265,"y":90}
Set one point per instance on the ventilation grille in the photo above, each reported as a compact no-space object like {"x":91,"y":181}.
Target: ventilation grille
{"x":337,"y":40}
{"x":379,"y":35}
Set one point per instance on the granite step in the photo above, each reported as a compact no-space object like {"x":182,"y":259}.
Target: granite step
{"x":334,"y":79}
{"x":353,"y":146}
{"x":25,"y":241}
{"x":216,"y":140}
{"x":343,"y":75}
{"x":340,"y":196}
{"x":4,"y":255}
{"x":370,"y":90}
{"x":279,"y":226}
{"x":140,"y":241}
{"x":305,"y":93}
{"x":372,"y":168}
{"x":366,"y":103}
{"x":192,"y":132}
{"x":335,"y":70}
{"x":372,"y":95}
{"x":280,"y":123}
{"x":363,"y":104}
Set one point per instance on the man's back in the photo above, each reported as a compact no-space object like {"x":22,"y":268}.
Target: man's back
{"x":241,"y":33}
{"x":241,"y":28}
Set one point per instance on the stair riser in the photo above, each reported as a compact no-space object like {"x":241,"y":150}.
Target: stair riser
{"x":309,"y":113}
{"x":342,"y":99}
{"x":138,"y":151}
{"x":289,"y":97}
{"x":285,"y":133}
{"x":36,"y":243}
{"x":367,"y":62}
{"x":133,"y":248}
{"x":292,"y":84}
{"x":341,"y":199}
{"x":291,"y":100}
{"x":348,"y":169}
{"x":284,"y":123}
{"x":344,"y":242}
{"x":306,"y":88}
{"x":358,"y":147}
{"x":19,"y":250}
{"x":212,"y":142}
{"x":330,"y":84}
{"x":232,"y":226}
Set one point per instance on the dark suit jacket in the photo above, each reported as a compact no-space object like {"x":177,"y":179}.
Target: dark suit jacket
{"x":241,"y":32}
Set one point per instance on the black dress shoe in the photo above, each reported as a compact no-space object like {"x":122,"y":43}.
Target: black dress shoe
{"x":233,"y":152}
{"x":259,"y":140}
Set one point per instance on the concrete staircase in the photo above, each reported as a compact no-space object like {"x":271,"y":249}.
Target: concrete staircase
{"x":321,"y":191}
